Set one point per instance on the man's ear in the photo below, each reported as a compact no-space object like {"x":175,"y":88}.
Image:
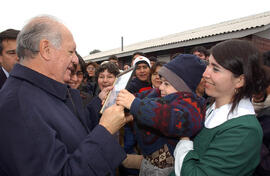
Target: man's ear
{"x":240,"y":81}
{"x":45,"y":49}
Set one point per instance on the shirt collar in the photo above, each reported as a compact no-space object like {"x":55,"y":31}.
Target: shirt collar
{"x":6,"y":73}
{"x":43,"y":82}
{"x":217,"y":116}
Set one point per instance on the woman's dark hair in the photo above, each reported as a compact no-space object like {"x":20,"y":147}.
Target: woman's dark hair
{"x":241,"y":58}
{"x":157,"y":64}
{"x":111,"y":67}
{"x":154,"y":67}
{"x":82,"y":64}
{"x":266,"y":58}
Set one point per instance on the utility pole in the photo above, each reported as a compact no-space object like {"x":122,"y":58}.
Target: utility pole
{"x":122,"y":43}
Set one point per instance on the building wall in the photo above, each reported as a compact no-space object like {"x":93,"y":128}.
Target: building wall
{"x":165,"y":58}
{"x":261,"y":41}
{"x":263,"y":44}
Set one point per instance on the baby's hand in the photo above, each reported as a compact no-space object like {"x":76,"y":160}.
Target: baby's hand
{"x":125,"y":98}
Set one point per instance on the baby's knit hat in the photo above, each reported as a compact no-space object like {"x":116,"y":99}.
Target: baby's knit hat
{"x":184,"y":72}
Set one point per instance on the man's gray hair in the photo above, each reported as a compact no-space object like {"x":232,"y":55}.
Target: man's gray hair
{"x":43,"y":27}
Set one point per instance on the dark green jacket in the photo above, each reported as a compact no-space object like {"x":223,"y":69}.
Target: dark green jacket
{"x":230,"y":149}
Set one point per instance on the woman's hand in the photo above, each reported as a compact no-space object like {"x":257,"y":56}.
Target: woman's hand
{"x":133,"y":161}
{"x":104,"y":93}
{"x":125,"y":98}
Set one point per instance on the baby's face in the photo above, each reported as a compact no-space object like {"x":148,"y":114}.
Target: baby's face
{"x":166,"y":88}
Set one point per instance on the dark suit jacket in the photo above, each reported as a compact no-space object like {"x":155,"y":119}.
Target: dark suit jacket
{"x":2,"y":77}
{"x":41,"y":134}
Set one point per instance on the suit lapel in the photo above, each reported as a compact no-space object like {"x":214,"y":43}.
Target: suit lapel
{"x":2,"y":77}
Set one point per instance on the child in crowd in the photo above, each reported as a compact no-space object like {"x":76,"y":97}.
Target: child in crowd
{"x":173,"y":109}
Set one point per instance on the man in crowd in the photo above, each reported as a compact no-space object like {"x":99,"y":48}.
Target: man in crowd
{"x":153,"y":60}
{"x":41,"y":134}
{"x":135,"y":55}
{"x":8,"y":56}
{"x":200,"y":52}
{"x":114,"y":59}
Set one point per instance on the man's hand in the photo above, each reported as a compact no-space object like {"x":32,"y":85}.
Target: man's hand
{"x":113,"y":118}
{"x":125,"y":98}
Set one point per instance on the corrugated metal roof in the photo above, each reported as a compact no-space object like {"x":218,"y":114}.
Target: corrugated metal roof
{"x":241,"y":24}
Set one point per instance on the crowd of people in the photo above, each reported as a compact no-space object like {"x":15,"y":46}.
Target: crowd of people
{"x":206,"y":112}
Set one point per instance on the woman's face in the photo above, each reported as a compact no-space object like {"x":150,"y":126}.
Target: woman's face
{"x":91,"y":70}
{"x":79,"y":74}
{"x":105,"y":79}
{"x":156,"y":82}
{"x":220,"y":83}
{"x":126,"y":67}
{"x":76,"y":78}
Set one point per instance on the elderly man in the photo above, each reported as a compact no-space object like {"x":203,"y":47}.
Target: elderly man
{"x":40,"y":134}
{"x":8,"y":56}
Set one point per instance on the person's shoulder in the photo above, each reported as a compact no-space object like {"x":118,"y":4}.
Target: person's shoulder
{"x":264,"y":113}
{"x":264,"y":118}
{"x":249,"y":119}
{"x":22,"y":91}
{"x":150,"y":93}
{"x":133,"y":81}
{"x":189,"y":97}
{"x":238,"y":130}
{"x":247,"y":123}
{"x":12,"y":94}
{"x":132,"y":86}
{"x":74,"y":92}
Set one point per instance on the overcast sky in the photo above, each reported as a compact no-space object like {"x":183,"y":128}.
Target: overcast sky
{"x":99,"y":24}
